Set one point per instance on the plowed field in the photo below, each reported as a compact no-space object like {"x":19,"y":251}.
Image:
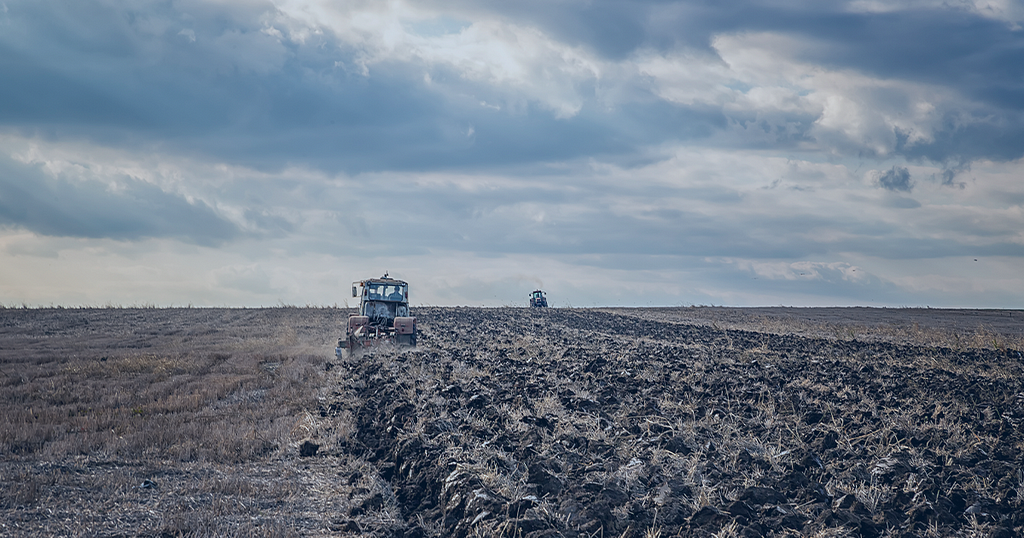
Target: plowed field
{"x":514,"y":422}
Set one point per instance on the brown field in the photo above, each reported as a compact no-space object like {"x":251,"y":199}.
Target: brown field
{"x":700,"y":421}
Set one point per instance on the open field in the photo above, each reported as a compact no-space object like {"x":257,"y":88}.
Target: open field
{"x":698,"y":421}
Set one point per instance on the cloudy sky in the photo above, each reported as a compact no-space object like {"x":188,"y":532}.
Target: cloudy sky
{"x":650,"y":152}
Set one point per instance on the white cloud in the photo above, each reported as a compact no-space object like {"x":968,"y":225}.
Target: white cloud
{"x":868,"y":111}
{"x":520,"y":62}
{"x":688,"y":77}
{"x":758,"y":76}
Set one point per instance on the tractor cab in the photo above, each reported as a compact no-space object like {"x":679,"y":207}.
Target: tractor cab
{"x":382,"y":299}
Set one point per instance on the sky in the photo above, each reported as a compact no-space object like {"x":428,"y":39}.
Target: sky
{"x":644,"y":153}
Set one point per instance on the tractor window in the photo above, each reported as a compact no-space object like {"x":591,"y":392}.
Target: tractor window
{"x":375,"y":291}
{"x":395,"y":293}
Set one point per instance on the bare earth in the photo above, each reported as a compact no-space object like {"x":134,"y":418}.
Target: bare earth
{"x":700,"y":421}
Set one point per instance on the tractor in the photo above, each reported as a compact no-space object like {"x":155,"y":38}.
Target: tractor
{"x":383,"y":316}
{"x":538,"y":300}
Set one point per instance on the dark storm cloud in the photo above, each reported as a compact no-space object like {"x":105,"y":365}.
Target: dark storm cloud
{"x":947,"y":46}
{"x":33,"y":94}
{"x":982,"y":57}
{"x":990,"y":134}
{"x":209,"y":80}
{"x":896,"y":179}
{"x":33,"y":200}
{"x":979,"y":58}
{"x":122,"y":82}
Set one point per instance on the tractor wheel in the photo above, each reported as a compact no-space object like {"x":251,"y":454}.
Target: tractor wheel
{"x":406,"y":339}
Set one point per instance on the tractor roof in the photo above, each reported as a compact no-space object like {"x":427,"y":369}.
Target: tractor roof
{"x":388,"y":281}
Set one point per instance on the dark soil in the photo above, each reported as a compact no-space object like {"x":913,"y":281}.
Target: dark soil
{"x":551,"y":422}
{"x":581,"y":423}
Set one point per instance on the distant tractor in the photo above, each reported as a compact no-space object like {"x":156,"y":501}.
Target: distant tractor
{"x":538,"y":300}
{"x":383,"y":316}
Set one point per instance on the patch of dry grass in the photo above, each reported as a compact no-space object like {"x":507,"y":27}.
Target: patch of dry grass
{"x":155,"y":410}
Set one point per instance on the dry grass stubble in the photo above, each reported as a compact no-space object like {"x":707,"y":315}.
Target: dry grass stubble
{"x":175,"y":421}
